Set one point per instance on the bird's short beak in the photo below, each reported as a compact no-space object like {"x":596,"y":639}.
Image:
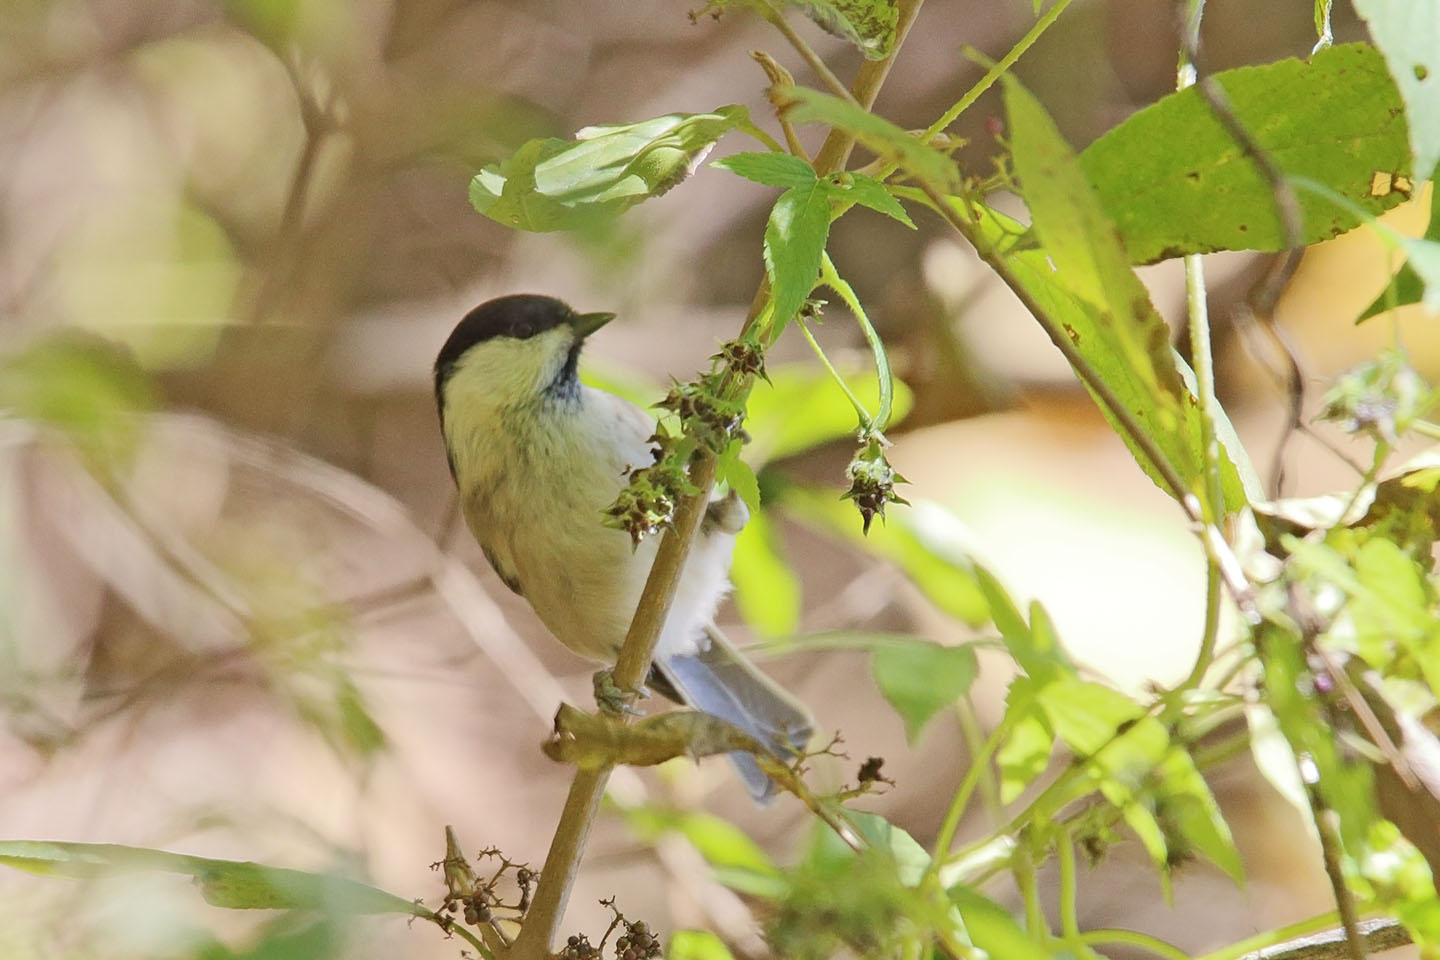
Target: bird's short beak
{"x":585,"y":324}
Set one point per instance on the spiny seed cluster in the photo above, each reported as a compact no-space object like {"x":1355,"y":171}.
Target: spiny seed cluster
{"x":642,"y":509}
{"x":744,"y":357}
{"x":637,"y":942}
{"x":647,"y":503}
{"x":872,"y":483}
{"x":711,"y":419}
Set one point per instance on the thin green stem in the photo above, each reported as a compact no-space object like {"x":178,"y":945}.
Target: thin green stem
{"x":860,"y":410}
{"x":831,"y":278}
{"x":961,"y":800}
{"x":970,"y":729}
{"x":1133,"y":938}
{"x":996,"y":71}
{"x":807,"y":52}
{"x":1325,"y":35}
{"x":1023,"y":869}
{"x":1203,"y":361}
{"x":759,"y":133}
{"x":1065,"y":856}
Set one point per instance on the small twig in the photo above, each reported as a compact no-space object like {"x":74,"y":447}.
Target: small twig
{"x":1203,"y":361}
{"x":1375,"y":936}
{"x":807,"y":52}
{"x":780,"y":81}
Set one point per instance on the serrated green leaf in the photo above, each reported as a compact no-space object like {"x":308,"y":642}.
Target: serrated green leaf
{"x":771,"y":169}
{"x":696,"y":945}
{"x":1174,"y":181}
{"x":235,"y":884}
{"x":926,"y":542}
{"x":795,"y":238}
{"x":1408,"y":34}
{"x":553,"y":184}
{"x":767,"y":592}
{"x":868,"y":24}
{"x":868,"y":192}
{"x":920,"y":679}
{"x":878,"y":135}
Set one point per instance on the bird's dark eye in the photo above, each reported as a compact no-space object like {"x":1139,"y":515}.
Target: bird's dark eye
{"x":523,"y":331}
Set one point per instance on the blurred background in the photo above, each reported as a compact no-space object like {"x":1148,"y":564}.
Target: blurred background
{"x":237,"y":616}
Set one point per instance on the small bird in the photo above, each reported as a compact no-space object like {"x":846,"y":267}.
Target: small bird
{"x":537,"y":456}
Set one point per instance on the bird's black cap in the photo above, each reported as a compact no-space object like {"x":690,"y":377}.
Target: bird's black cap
{"x":519,"y":316}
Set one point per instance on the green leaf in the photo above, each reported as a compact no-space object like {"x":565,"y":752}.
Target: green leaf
{"x":921,"y":678}
{"x":737,"y":473}
{"x":799,"y":410}
{"x":235,"y":884}
{"x":1190,"y":815}
{"x":767,"y":592}
{"x":1035,"y":647}
{"x":553,"y":184}
{"x":1128,"y":341}
{"x":771,"y":169}
{"x":697,"y":945}
{"x":794,"y":240}
{"x":1408,"y":34}
{"x":1174,"y":180}
{"x":1025,"y":752}
{"x":1407,"y":286}
{"x":868,"y":24}
{"x":880,"y":136}
{"x":926,"y":542}
{"x":1105,"y":341}
{"x":910,"y":858}
{"x":868,"y":192}
{"x":992,"y":929}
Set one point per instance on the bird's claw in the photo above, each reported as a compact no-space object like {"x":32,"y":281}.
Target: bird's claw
{"x":611,"y":698}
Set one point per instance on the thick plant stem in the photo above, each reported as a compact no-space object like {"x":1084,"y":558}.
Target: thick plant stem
{"x":542,"y":920}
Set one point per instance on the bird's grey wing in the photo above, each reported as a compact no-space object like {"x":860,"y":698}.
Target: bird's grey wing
{"x":720,"y":681}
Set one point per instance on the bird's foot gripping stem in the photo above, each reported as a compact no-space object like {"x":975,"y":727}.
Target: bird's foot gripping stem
{"x":611,"y":698}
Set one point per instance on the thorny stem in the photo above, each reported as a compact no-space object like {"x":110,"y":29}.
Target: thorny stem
{"x":1203,"y":361}
{"x":557,"y":877}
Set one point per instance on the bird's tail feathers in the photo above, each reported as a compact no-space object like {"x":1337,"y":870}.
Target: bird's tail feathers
{"x":720,"y":681}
